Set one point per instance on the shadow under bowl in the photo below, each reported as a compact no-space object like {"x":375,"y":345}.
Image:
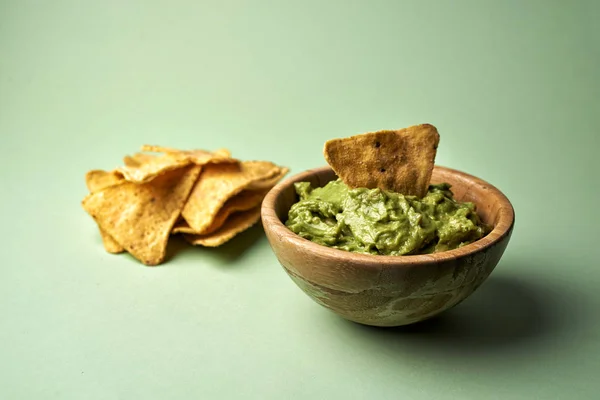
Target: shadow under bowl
{"x":389,"y":290}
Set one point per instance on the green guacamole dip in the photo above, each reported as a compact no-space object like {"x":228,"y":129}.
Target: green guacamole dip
{"x":375,"y":221}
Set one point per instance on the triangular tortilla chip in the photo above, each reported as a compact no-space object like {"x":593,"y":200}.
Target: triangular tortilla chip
{"x":140,"y":216}
{"x":143,"y":172}
{"x":141,"y":167}
{"x":197,"y":156}
{"x":269,"y":182}
{"x":138,"y":159}
{"x":217,"y":184}
{"x":401,"y":161}
{"x":245,"y":200}
{"x":97,"y":180}
{"x":235,"y":224}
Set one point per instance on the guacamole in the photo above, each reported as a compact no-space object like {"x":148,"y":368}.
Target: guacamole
{"x":375,"y":221}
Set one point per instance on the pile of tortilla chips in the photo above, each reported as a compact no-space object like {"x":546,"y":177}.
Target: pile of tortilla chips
{"x":209,"y":197}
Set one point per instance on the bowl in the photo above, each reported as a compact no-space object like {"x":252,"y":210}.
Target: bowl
{"x":389,"y":290}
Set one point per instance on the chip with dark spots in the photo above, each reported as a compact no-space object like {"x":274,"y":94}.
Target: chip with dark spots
{"x":401,"y":161}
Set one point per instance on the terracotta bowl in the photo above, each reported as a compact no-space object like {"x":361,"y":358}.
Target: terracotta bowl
{"x":389,"y":290}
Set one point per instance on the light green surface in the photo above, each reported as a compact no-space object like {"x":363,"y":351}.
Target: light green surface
{"x":512,"y":86}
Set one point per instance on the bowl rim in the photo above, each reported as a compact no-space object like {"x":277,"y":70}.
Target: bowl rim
{"x":502,"y":228}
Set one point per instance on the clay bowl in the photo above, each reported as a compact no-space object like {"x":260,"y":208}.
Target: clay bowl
{"x":389,"y":290}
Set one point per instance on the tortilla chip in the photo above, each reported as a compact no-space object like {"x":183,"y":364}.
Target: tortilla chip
{"x":401,"y":161}
{"x":140,"y":216}
{"x":138,"y":159}
{"x":182,"y":227}
{"x":236,"y":223}
{"x":142,"y":172}
{"x":246,"y":200}
{"x":110,"y":244}
{"x":197,"y":156}
{"x":217,"y":184}
{"x":96,"y":180}
{"x":268,"y":183}
{"x":141,"y":167}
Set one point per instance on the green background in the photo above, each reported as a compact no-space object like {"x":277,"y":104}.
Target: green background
{"x":512,"y":86}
